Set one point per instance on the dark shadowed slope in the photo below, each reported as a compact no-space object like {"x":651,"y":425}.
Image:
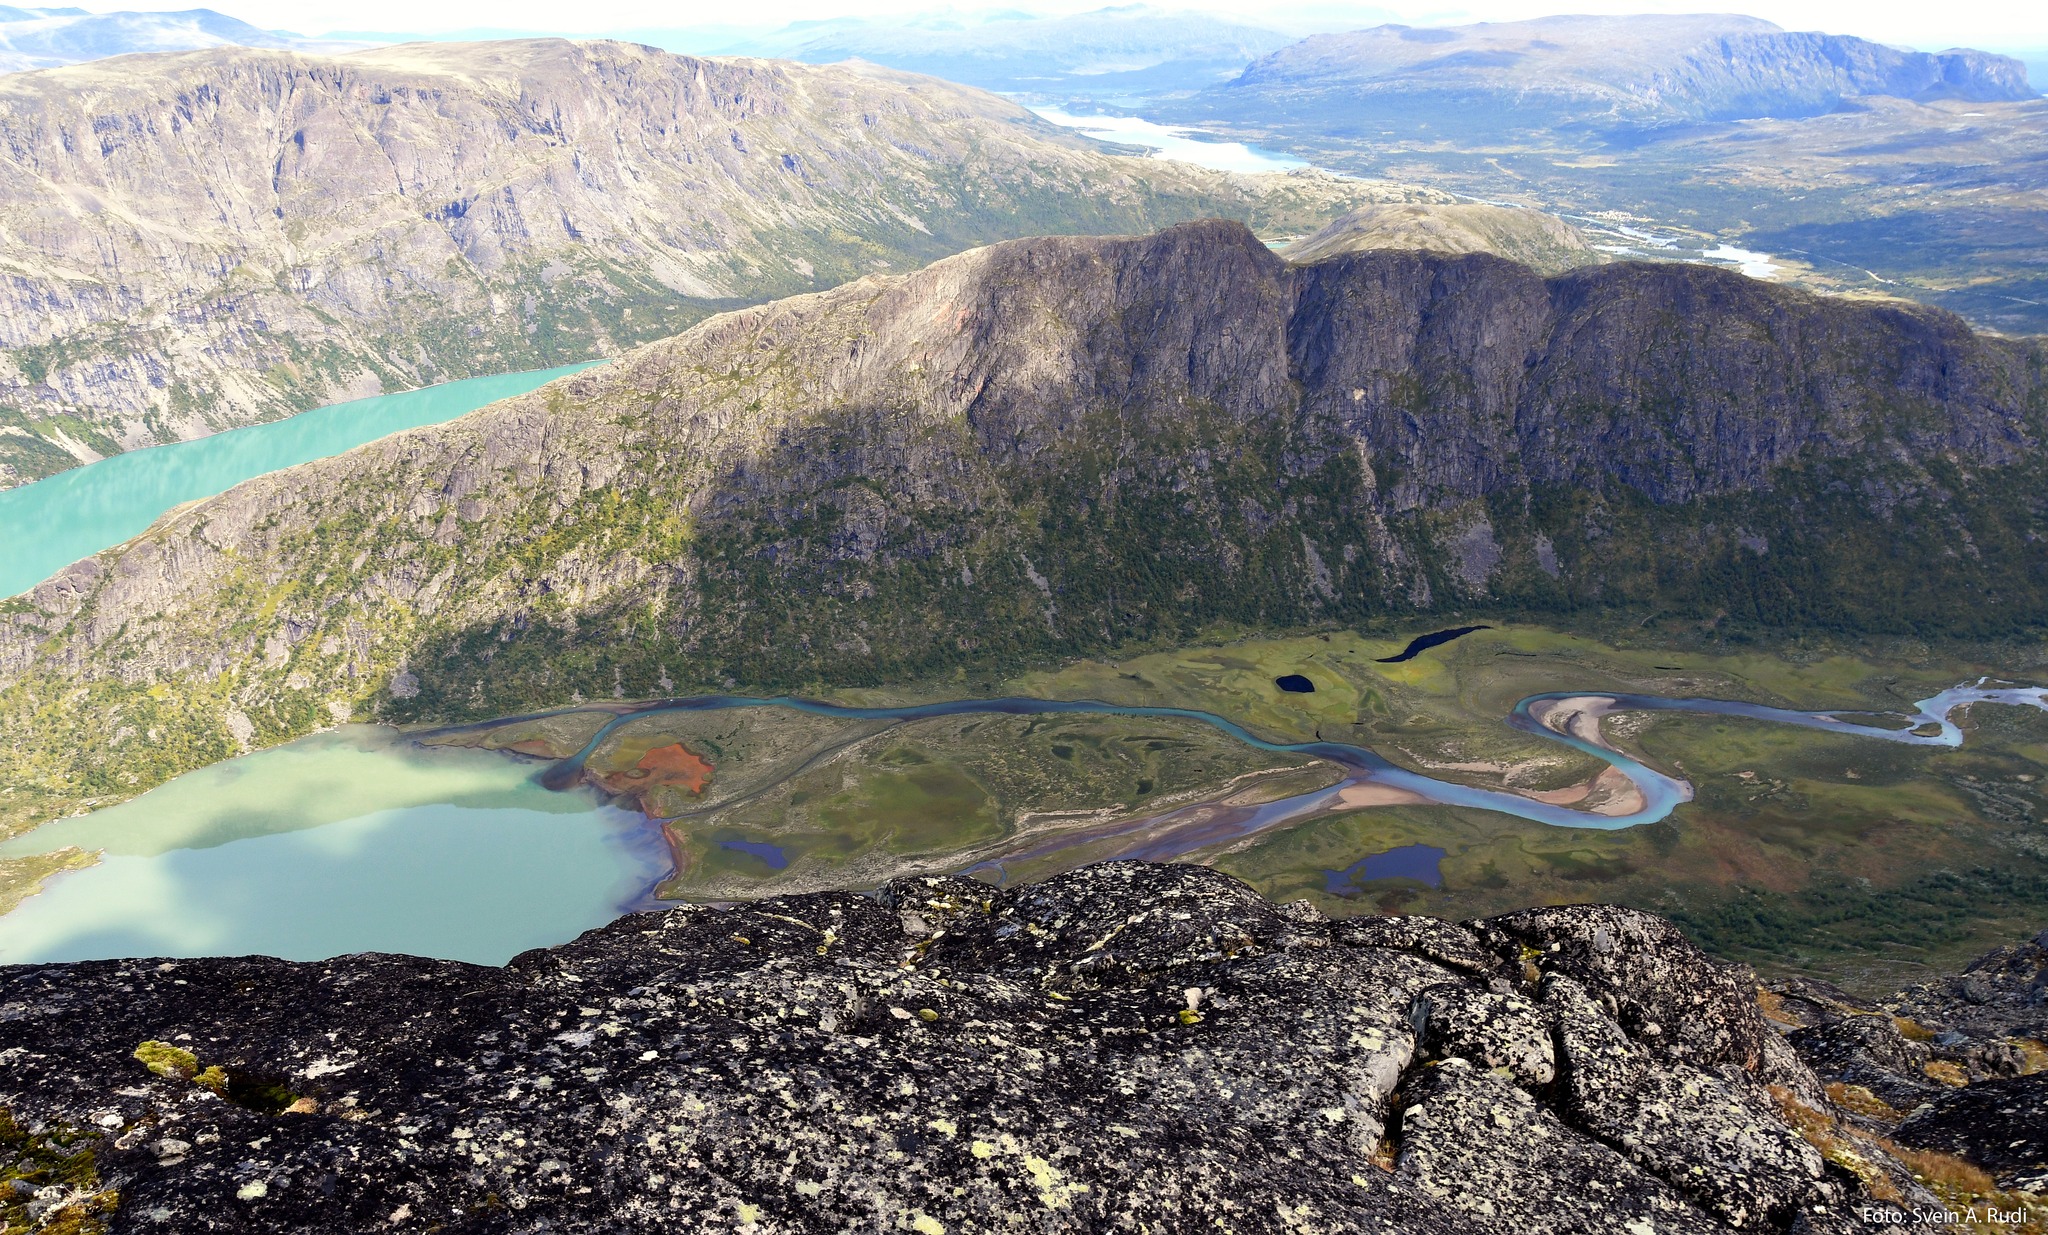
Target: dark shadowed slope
{"x":1050,"y":448}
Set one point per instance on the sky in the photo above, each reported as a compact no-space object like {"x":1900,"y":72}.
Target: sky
{"x":1998,"y":24}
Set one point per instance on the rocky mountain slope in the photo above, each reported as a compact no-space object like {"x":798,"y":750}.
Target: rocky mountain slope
{"x":1087,"y":1054}
{"x":1540,"y":241}
{"x":198,"y":241}
{"x":1952,"y":1066}
{"x":1601,"y":73}
{"x":1048,"y":449}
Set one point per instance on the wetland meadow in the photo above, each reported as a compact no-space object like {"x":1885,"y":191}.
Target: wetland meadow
{"x":1401,"y":782}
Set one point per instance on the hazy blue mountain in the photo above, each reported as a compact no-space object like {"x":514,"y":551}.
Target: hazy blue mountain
{"x":1599,"y":72}
{"x":1130,"y":48}
{"x":47,"y":38}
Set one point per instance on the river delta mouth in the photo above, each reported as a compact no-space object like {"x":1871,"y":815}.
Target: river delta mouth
{"x":1791,"y":812}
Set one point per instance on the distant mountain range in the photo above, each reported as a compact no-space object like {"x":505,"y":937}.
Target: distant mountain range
{"x":1861,"y":168}
{"x":47,"y":38}
{"x":1598,"y":73}
{"x":1130,"y":49}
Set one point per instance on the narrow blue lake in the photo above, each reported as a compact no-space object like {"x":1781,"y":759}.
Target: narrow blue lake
{"x":54,"y":522}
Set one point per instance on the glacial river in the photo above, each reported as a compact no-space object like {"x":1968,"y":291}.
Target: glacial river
{"x":361,"y":839}
{"x":60,"y":519}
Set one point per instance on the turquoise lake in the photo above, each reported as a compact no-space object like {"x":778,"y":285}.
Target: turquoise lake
{"x":356,"y":840}
{"x":56,"y":521}
{"x":361,"y":839}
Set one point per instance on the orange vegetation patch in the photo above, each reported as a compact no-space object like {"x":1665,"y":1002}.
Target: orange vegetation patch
{"x":674,"y":764}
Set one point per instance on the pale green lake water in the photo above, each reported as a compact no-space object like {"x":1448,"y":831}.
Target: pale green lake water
{"x":351,"y":841}
{"x":54,"y":522}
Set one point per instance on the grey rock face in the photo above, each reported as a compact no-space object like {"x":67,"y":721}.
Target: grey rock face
{"x":1126,"y":1047}
{"x":202,"y":240}
{"x":2000,"y":1125}
{"x":1639,"y":966}
{"x":1717,"y":1140}
{"x":1498,"y":1030}
{"x":1034,"y":450}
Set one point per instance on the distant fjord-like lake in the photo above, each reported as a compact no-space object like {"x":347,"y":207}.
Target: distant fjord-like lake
{"x":1172,"y":143}
{"x":56,"y":521}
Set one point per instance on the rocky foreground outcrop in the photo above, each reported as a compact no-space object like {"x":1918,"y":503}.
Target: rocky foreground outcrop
{"x":1125,"y":1047}
{"x":1952,"y":1066}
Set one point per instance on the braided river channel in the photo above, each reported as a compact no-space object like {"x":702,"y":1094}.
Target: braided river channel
{"x":362,"y":839}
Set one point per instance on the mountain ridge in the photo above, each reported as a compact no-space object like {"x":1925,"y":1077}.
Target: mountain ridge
{"x":1540,"y":241}
{"x":1676,"y":70}
{"x":403,"y":216}
{"x":1048,"y":449}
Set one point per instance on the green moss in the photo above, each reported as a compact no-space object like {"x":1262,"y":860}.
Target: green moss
{"x":172,"y":1062}
{"x":250,"y":1091}
{"x":52,"y":1156}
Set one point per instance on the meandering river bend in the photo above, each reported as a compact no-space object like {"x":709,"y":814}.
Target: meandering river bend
{"x":362,"y":839}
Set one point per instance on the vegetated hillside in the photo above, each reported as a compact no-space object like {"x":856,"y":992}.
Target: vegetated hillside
{"x":202,"y":240}
{"x":1540,"y":241}
{"x":1601,"y":73}
{"x":1051,"y":448}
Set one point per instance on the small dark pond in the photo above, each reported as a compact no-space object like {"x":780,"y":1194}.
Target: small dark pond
{"x":771,"y":854}
{"x":1295,"y":684}
{"x":1419,"y":862}
{"x":1422,"y":643}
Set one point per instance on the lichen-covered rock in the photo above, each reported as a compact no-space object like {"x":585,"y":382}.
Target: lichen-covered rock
{"x":1485,"y":1150}
{"x":1127,"y":1047}
{"x":1446,"y":943}
{"x":1717,"y":1141}
{"x":1871,"y":1052}
{"x":1680,"y":1005}
{"x":1488,"y":1028}
{"x":1999,"y":1125}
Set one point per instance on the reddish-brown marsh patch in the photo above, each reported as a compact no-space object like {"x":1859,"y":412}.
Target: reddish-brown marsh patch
{"x":674,"y":764}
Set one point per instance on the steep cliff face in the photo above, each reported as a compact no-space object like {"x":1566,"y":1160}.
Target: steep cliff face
{"x":1048,"y":448}
{"x":1123,"y":1047}
{"x":200,"y":240}
{"x":1605,"y":72}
